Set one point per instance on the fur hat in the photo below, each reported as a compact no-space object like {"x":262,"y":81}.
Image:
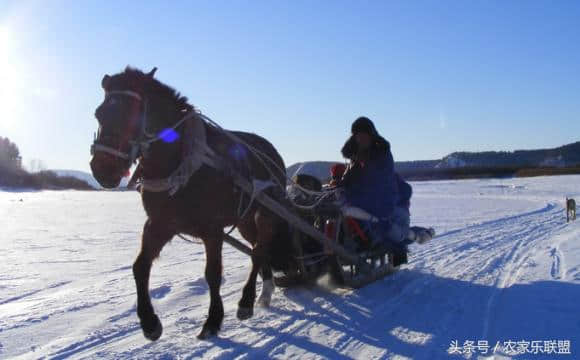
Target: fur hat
{"x":364,"y":125}
{"x":380,"y":146}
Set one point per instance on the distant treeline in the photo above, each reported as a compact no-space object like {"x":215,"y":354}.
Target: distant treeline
{"x":563,"y":156}
{"x":13,"y":175}
{"x":19,"y":178}
{"x":485,"y":172}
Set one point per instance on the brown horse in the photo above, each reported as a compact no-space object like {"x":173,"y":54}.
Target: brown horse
{"x":142,"y":120}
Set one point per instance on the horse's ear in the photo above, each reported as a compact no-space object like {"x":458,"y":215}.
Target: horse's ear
{"x":152,"y":72}
{"x":105,"y":81}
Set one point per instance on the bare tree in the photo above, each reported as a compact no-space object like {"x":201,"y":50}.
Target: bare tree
{"x":9,"y":153}
{"x":36,"y":165}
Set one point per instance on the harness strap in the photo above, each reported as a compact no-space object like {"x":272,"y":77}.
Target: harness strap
{"x":257,"y":187}
{"x":197,"y":152}
{"x":109,"y":150}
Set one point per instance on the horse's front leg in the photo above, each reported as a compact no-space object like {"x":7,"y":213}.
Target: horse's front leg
{"x":155,"y":236}
{"x":265,"y":232}
{"x":213,"y":275}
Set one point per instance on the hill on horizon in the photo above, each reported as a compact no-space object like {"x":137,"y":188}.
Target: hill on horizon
{"x":81,"y":175}
{"x":559,"y":157}
{"x":563,"y":156}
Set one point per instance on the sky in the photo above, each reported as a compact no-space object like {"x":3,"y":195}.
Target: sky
{"x":434,"y":76}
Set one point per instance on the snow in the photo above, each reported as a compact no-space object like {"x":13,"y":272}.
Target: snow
{"x":504,"y":268}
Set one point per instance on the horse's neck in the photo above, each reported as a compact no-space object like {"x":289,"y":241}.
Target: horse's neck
{"x":162,"y":158}
{"x":215,"y":139}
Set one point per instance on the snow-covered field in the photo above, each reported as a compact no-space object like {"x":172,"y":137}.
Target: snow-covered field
{"x":504,"y":269}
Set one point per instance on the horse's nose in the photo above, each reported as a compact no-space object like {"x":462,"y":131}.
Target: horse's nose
{"x":100,"y":114}
{"x":96,"y":166}
{"x":105,"y":173}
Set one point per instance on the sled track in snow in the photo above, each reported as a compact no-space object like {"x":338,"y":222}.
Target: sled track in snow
{"x":558,"y":269}
{"x":490,"y":254}
{"x":498,"y":248}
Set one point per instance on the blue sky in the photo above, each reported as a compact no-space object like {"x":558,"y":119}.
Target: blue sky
{"x":434,"y":76}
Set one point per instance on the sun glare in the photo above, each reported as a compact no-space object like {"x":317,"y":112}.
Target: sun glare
{"x":8,"y":78}
{"x":5,"y":49}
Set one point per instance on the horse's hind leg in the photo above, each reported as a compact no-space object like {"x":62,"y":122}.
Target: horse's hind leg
{"x":213,"y":275}
{"x":153,"y":240}
{"x":265,"y":232}
{"x":249,"y":232}
{"x":268,"y":286}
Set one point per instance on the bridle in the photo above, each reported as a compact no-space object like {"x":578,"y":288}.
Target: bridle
{"x":196,"y":151}
{"x":135,"y":148}
{"x":140,"y":144}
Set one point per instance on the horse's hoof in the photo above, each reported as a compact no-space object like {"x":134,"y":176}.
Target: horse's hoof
{"x":207,"y":333}
{"x":154,"y":334}
{"x":245,"y":313}
{"x":264,"y":302}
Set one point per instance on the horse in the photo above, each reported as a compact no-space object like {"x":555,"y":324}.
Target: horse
{"x":570,"y":209}
{"x":144,"y":121}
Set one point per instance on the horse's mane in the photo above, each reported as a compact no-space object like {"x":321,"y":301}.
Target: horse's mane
{"x":136,"y":80}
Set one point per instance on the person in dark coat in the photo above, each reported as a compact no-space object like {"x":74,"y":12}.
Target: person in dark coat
{"x":371,"y":184}
{"x":369,"y":181}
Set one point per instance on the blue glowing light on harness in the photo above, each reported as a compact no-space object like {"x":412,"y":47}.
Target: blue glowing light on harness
{"x":238,"y":152}
{"x":168,"y":135}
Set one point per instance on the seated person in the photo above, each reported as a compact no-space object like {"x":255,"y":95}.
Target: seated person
{"x":336,"y":173}
{"x":370,"y":182}
{"x":304,"y":181}
{"x":401,"y":219}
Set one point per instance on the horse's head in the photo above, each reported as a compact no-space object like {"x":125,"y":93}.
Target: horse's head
{"x":135,"y":111}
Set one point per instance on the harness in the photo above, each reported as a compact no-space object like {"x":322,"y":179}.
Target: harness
{"x":195,"y":148}
{"x":197,"y":152}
